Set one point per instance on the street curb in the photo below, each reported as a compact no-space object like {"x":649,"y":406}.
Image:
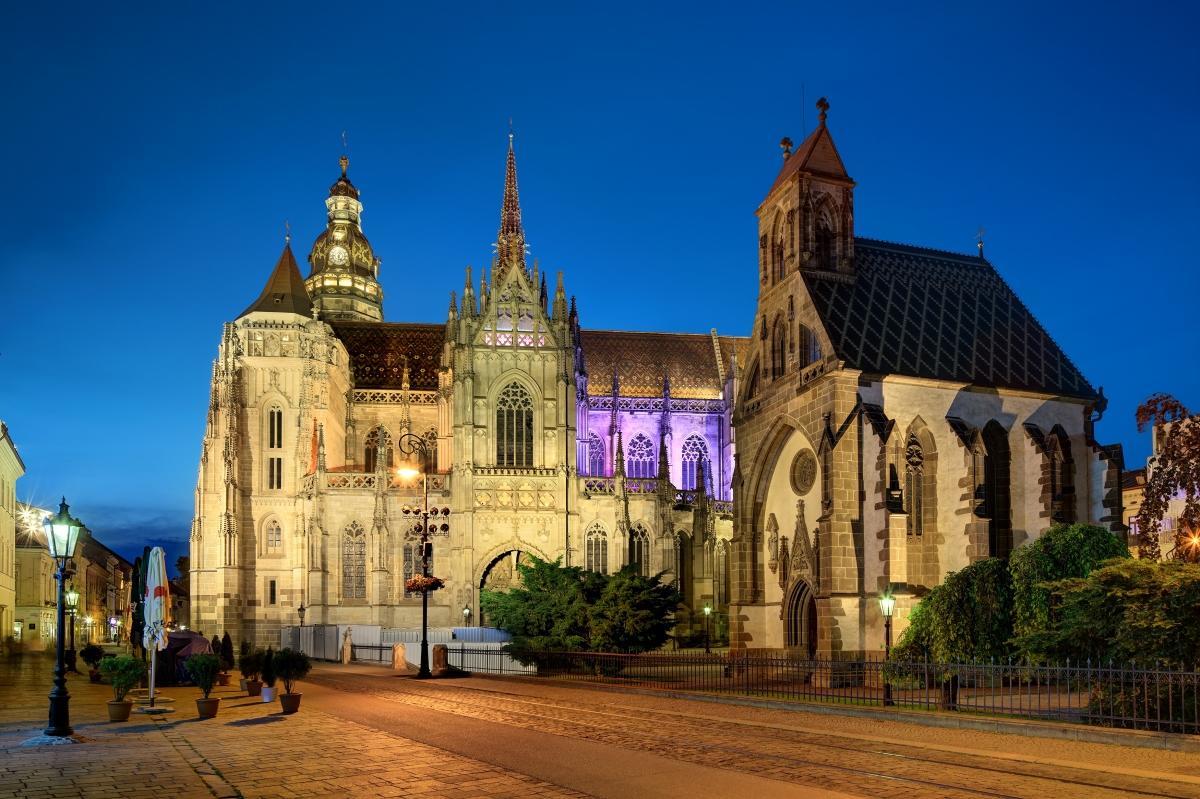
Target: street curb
{"x":1146,"y":739}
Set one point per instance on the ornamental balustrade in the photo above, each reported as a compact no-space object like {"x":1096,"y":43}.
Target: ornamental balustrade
{"x":510,"y":471}
{"x":369,"y":480}
{"x":656,"y":404}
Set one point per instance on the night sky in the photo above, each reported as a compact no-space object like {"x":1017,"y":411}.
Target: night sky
{"x":152,"y":160}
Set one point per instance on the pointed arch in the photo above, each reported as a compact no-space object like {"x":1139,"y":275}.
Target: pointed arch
{"x":514,"y":426}
{"x":695,"y":452}
{"x":594,"y":450}
{"x":639,"y":457}
{"x":378,"y":442}
{"x":639,"y":548}
{"x":825,"y":234}
{"x":779,"y":336}
{"x":996,"y":495}
{"x":800,"y":619}
{"x":1060,"y":477}
{"x":596,"y":542}
{"x":810,"y":346}
{"x":776,"y":245}
{"x":354,"y":562}
{"x":272,"y":536}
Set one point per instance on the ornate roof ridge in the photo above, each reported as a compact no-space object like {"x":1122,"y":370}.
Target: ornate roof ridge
{"x":707,"y":335}
{"x":883,"y":244}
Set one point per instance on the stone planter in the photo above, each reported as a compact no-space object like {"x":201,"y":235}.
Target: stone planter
{"x":268,"y":693}
{"x":223,"y":678}
{"x":289,"y":702}
{"x":119,"y":711}
{"x":253,"y":687}
{"x":207,"y":708}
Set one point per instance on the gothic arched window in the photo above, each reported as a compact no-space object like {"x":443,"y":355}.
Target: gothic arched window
{"x":695,"y":451}
{"x":354,"y":562}
{"x":639,"y":549}
{"x":274,"y":536}
{"x":997,"y":504}
{"x":597,"y":548}
{"x":378,"y":440}
{"x":823,"y":243}
{"x":810,"y":347}
{"x":595,"y":456}
{"x":1061,"y":477}
{"x":914,"y":485}
{"x":514,"y":427}
{"x":275,"y":443}
{"x":639,"y":460}
{"x":778,"y":349}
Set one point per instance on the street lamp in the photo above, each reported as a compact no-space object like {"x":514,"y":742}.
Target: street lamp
{"x":72,"y":600}
{"x":62,"y":536}
{"x":417,"y":464}
{"x":301,"y":611}
{"x":887,"y":604}
{"x":707,"y":614}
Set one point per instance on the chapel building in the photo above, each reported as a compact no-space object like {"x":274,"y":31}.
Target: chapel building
{"x":598,"y":448}
{"x":901,"y":414}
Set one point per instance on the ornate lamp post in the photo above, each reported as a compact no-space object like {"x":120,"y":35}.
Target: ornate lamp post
{"x":301,"y":611}
{"x":417,"y":464}
{"x":62,"y":536}
{"x":72,"y":600}
{"x":887,"y":604}
{"x":467,"y":616}
{"x":707,"y":615}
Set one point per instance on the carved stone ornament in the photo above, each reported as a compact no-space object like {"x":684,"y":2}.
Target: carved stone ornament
{"x":785,"y":565}
{"x":804,"y":471}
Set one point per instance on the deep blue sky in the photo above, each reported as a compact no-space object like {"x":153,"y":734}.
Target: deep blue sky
{"x":152,"y":158}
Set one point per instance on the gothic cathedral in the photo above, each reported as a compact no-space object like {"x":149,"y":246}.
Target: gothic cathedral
{"x":597,"y":448}
{"x":901,"y":415}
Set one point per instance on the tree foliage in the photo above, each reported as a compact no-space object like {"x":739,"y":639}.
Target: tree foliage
{"x":1062,"y":552}
{"x":967,"y":617}
{"x":565,"y":608}
{"x":1174,"y":470}
{"x":1131,"y":611}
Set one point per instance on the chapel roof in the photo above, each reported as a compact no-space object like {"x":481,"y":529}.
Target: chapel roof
{"x":816,"y":155}
{"x":284,"y":292}
{"x":380,"y":350}
{"x":928,"y":313}
{"x":642,"y":359}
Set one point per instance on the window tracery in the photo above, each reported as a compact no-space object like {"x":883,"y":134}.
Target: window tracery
{"x":639,"y":459}
{"x":514,"y":427}
{"x":595,"y":456}
{"x":914,"y":486}
{"x":695,"y":451}
{"x":354,"y":562}
{"x":274,"y":536}
{"x":378,"y":439}
{"x":639,"y":549}
{"x":597,"y":548}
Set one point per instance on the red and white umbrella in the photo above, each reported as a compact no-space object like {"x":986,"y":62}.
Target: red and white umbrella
{"x":157,"y":609}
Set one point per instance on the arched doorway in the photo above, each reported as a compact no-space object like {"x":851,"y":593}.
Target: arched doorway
{"x":800,"y":620}
{"x":500,"y":575}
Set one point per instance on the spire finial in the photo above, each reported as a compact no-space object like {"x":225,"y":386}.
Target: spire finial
{"x":823,"y":108}
{"x":979,"y":241}
{"x":287,"y":232}
{"x":510,"y":133}
{"x":785,"y":144}
{"x":510,"y":241}
{"x":345,"y":159}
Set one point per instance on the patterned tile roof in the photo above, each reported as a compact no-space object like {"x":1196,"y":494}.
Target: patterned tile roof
{"x":641,"y":360}
{"x":927,"y":313}
{"x":378,"y":351}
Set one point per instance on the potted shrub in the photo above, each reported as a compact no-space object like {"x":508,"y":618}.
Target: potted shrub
{"x":223,"y":674}
{"x":290,"y":665}
{"x":91,"y":655}
{"x":203,"y":670}
{"x":243,"y":650}
{"x":226,"y":655}
{"x":251,"y":666}
{"x":125,"y":672}
{"x":268,"y":676}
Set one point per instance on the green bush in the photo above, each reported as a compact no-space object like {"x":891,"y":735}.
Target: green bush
{"x":125,"y":672}
{"x":968,"y":617}
{"x":1062,"y":552}
{"x":291,"y":665}
{"x":91,"y":655}
{"x":633,"y":614}
{"x":250,"y":664}
{"x":268,"y":668}
{"x":203,"y":670}
{"x":226,"y":652}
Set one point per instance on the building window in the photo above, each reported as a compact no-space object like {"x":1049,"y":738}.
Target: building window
{"x":274,"y":536}
{"x":914,"y":487}
{"x":779,"y":349}
{"x":695,"y":452}
{"x":274,"y":473}
{"x":378,"y":441}
{"x":823,"y":244}
{"x":354,"y":562}
{"x":1062,"y":482}
{"x":595,"y":456}
{"x":810,"y":347}
{"x":271,"y":597}
{"x":639,"y":549}
{"x":514,"y":427}
{"x":640,"y":459}
{"x":275,"y":428}
{"x":997,"y":505}
{"x":597,"y":548}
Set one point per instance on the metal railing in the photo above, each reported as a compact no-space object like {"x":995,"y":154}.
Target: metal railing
{"x":1145,"y":698}
{"x":374,"y":653}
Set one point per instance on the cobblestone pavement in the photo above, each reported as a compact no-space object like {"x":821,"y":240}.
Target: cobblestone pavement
{"x":857,"y":756}
{"x":249,"y":750}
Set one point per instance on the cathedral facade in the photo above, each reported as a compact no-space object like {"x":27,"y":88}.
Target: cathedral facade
{"x":901,"y":415}
{"x":597,"y":448}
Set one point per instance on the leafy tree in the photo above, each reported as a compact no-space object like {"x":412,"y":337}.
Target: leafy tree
{"x":1134,"y":610}
{"x":1174,"y":470}
{"x":633,"y":613}
{"x":967,"y":617}
{"x":268,"y":668}
{"x":549,"y":611}
{"x":183,"y":571}
{"x":226,"y":652}
{"x":1063,"y":552}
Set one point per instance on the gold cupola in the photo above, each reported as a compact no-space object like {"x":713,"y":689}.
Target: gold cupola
{"x":344,"y":278}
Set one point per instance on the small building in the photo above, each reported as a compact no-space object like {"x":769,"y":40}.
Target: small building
{"x":11,"y":469}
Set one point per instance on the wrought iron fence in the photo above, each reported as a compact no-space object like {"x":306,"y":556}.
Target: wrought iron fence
{"x":375,"y":653}
{"x":1133,"y":697}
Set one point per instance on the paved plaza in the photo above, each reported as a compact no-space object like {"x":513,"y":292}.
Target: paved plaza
{"x":367,"y":732}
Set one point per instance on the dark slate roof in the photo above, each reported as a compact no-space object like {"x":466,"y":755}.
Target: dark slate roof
{"x":284,"y":292}
{"x":379,"y":350}
{"x":927,"y":313}
{"x":641,"y":360}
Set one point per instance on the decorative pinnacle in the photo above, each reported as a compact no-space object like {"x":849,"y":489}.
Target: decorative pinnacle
{"x":287,"y":232}
{"x":510,"y":240}
{"x":823,"y":108}
{"x":785,"y":144}
{"x":979,"y":241}
{"x":345,"y":164}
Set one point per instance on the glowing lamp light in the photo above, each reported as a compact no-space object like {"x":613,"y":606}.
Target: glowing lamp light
{"x":707,"y":610}
{"x":71,"y":597}
{"x":62,"y":533}
{"x":887,"y":603}
{"x":112,"y":622}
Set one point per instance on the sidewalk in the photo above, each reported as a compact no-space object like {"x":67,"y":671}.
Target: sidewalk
{"x":249,"y":750}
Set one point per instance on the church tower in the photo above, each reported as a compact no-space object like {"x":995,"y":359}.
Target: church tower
{"x":344,"y":281}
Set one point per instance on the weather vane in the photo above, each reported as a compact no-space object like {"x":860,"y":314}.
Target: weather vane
{"x":979,"y":240}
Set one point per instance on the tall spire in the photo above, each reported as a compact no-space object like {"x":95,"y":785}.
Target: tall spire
{"x":510,"y":240}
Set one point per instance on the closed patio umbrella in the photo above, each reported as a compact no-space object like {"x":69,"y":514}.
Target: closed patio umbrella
{"x":157,"y":604}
